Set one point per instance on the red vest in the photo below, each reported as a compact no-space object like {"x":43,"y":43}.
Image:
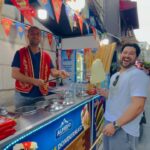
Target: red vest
{"x":26,"y":68}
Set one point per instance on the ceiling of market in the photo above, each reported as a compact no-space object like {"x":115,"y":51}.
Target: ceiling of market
{"x":62,"y":28}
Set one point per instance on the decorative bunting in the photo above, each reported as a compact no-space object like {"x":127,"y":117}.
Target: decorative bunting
{"x":20,"y":28}
{"x":86,"y":50}
{"x":57,"y":4}
{"x":6,"y":23}
{"x":92,"y":21}
{"x":85,"y":12}
{"x":43,"y":1}
{"x":48,"y":7}
{"x":42,"y":34}
{"x":75,"y":20}
{"x":50,"y":38}
{"x":94,"y":32}
{"x":87,"y":27}
{"x":70,"y":15}
{"x":69,"y":53}
{"x":1,"y":7}
{"x":71,"y":22}
{"x":26,"y":10}
{"x":28,"y":14}
{"x":80,"y":23}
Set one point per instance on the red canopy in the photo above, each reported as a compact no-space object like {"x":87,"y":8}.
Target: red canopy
{"x":126,"y":4}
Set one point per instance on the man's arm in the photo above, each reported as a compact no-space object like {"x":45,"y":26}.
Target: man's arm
{"x":16,"y":74}
{"x":134,"y":109}
{"x":59,"y":73}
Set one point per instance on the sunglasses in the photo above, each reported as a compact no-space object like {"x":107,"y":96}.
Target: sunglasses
{"x":116,"y":80}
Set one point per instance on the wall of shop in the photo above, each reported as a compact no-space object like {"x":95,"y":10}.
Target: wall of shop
{"x":8,"y":46}
{"x":79,"y":42}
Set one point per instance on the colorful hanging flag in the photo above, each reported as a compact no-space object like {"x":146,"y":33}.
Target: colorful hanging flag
{"x":70,"y":15}
{"x":20,"y":28}
{"x":69,"y":53}
{"x":1,"y":7}
{"x":26,"y":10}
{"x":85,"y":12}
{"x":57,"y":4}
{"x":92,"y":21}
{"x":48,"y":7}
{"x":87,"y":27}
{"x":42,"y":34}
{"x":1,"y":2}
{"x":50,"y":38}
{"x":94,"y":32}
{"x":86,"y":50}
{"x":6,"y":23}
{"x":43,"y":1}
{"x":80,"y":22}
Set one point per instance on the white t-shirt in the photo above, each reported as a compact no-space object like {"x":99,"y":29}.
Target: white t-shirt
{"x":132,"y":82}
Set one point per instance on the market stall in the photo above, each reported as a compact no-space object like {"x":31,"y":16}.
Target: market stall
{"x":74,"y":127}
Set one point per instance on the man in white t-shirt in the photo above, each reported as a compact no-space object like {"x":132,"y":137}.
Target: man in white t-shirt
{"x":125,"y":104}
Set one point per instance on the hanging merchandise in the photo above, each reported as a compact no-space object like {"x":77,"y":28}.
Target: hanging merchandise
{"x":105,"y":53}
{"x":20,"y":28}
{"x":57,"y":4}
{"x":6,"y":23}
{"x":26,"y":10}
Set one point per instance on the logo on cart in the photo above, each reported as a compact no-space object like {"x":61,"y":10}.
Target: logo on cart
{"x":64,"y":127}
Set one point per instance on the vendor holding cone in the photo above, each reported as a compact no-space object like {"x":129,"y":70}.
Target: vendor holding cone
{"x":31,"y":67}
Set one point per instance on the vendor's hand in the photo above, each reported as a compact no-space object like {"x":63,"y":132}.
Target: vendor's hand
{"x":38,"y":82}
{"x":102,"y":92}
{"x":109,"y":129}
{"x":63,"y":74}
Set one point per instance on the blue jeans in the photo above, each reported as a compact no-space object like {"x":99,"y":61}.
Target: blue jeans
{"x":119,"y":141}
{"x":24,"y":101}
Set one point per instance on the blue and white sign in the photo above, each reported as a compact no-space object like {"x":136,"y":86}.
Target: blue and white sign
{"x":68,"y":63}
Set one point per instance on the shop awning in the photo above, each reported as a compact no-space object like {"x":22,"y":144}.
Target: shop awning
{"x":125,"y":5}
{"x":129,"y":15}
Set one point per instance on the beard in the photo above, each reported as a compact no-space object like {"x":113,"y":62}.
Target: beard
{"x":34,"y":43}
{"x":127,"y":65}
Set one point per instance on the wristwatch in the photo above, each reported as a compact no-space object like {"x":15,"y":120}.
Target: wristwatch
{"x":116,"y":125}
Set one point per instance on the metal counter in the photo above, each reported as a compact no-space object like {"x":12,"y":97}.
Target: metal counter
{"x":30,"y":122}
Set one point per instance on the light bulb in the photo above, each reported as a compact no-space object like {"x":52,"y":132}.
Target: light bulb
{"x":42,"y":14}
